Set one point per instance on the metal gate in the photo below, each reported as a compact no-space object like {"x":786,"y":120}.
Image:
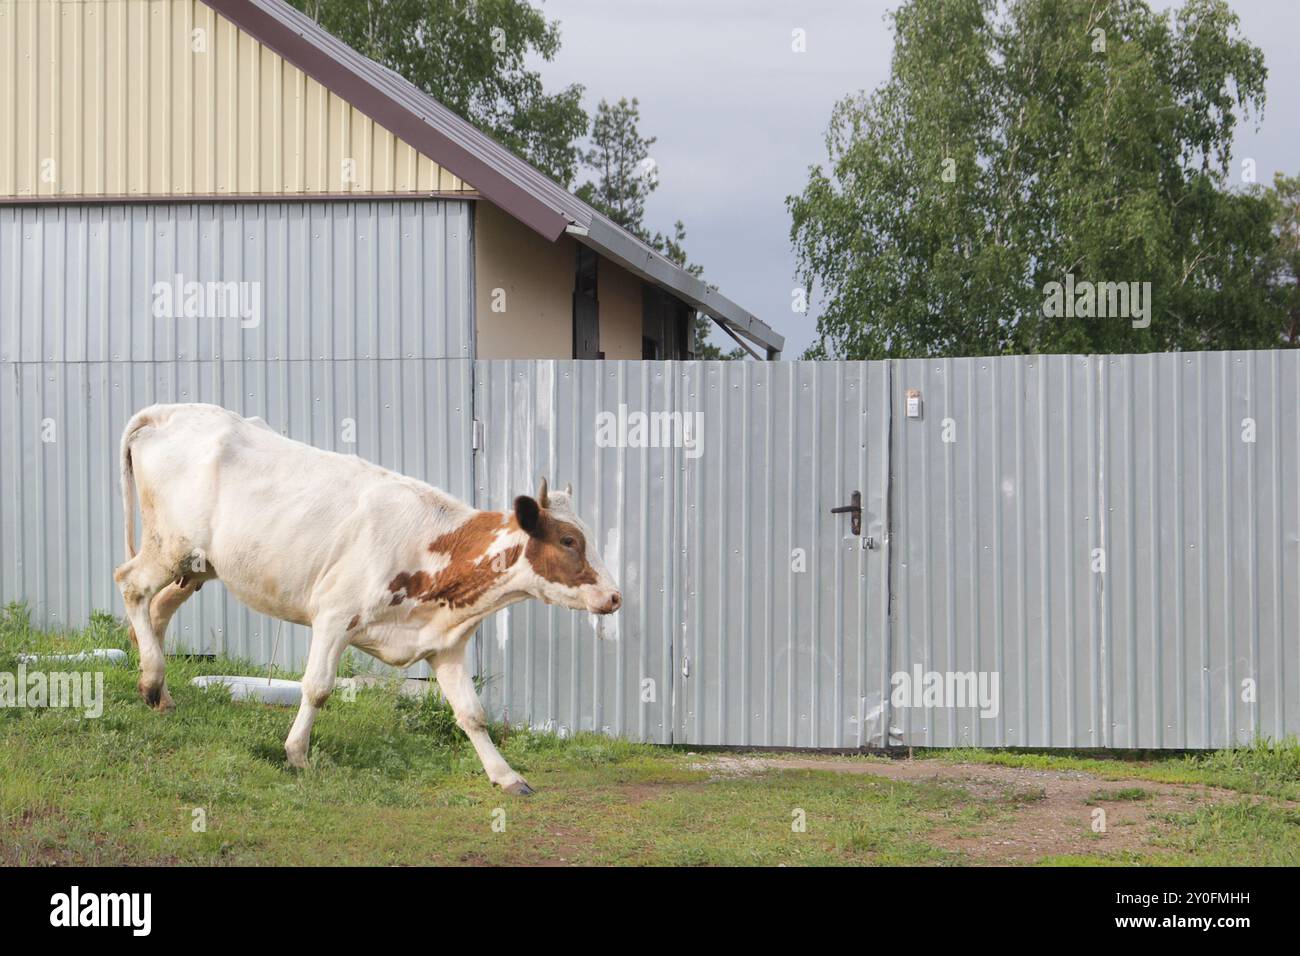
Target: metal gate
{"x":784,"y":604}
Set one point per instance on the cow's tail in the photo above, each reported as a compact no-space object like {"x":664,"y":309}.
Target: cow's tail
{"x":138,"y":421}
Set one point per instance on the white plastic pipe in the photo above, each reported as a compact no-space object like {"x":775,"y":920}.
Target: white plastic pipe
{"x":286,"y":693}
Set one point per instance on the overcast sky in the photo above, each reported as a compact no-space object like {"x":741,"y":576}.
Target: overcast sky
{"x":740,"y":117}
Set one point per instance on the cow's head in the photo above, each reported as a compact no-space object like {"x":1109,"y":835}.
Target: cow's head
{"x":565,"y":563}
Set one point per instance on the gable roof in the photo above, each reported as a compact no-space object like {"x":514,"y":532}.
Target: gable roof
{"x":498,"y":174}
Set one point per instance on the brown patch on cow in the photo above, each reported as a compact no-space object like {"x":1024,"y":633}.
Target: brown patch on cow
{"x":508,"y":557}
{"x":470,"y":571}
{"x":474,"y":536}
{"x":555,"y":561}
{"x":356,"y":619}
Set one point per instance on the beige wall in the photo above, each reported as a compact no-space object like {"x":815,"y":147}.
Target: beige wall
{"x":620,"y":311}
{"x":537,"y":280}
{"x":166,"y":98}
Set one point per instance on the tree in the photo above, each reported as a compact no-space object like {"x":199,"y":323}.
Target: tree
{"x":1285,"y":263}
{"x":1018,"y":142}
{"x":470,"y":55}
{"x":625,"y":176}
{"x":620,"y":158}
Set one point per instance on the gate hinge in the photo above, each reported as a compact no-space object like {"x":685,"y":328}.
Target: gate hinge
{"x":476,"y":435}
{"x":686,"y":666}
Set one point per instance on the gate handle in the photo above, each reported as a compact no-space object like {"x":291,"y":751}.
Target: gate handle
{"x":854,"y":509}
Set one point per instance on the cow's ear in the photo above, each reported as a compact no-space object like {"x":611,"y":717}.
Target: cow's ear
{"x":529,"y":514}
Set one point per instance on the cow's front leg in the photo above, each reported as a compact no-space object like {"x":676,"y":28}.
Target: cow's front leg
{"x":328,"y":641}
{"x":458,"y":687}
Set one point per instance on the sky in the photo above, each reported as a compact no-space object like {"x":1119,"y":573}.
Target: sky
{"x":740,"y":117}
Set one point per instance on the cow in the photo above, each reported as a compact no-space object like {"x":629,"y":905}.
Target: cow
{"x":364,"y":556}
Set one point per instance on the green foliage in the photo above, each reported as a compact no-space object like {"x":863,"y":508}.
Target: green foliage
{"x":1233,"y":834}
{"x":106,"y":630}
{"x":620,"y":158}
{"x":15,"y":620}
{"x":1267,"y":766}
{"x":1124,"y":793}
{"x":1284,"y":264}
{"x":1018,"y":141}
{"x":471,"y":56}
{"x":430,"y":715}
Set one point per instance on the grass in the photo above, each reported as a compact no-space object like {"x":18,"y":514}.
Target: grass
{"x":1126,"y":793}
{"x":393,"y":781}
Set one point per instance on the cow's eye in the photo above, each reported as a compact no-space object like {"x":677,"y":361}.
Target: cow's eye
{"x":568,"y":541}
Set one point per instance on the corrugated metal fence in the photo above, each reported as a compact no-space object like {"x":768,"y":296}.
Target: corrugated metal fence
{"x":1117,"y":536}
{"x":1108,"y":547}
{"x":1112,"y":541}
{"x":362,"y":346}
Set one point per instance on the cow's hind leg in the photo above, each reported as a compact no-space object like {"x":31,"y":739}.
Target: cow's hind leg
{"x":165,"y":604}
{"x":458,"y":687}
{"x":139,"y":580}
{"x":329,"y":639}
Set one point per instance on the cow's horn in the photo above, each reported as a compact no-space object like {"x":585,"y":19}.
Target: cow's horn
{"x":542,"y":498}
{"x":568,"y":488}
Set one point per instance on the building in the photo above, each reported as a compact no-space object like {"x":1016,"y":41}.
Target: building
{"x":184,"y":106}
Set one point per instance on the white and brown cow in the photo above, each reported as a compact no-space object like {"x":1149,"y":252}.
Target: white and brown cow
{"x":364,"y":556}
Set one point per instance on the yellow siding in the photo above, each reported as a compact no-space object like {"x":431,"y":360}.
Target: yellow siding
{"x":166,"y":98}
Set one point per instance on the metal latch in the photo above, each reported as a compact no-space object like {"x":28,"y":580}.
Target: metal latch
{"x":854,"y":509}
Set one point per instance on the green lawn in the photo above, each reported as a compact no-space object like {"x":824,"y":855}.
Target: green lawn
{"x":392,"y":781}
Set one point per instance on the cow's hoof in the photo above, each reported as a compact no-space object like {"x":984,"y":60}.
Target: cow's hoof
{"x":296,"y":761}
{"x":156,"y":697}
{"x":519,"y":788}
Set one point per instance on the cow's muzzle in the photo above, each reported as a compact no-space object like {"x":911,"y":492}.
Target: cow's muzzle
{"x":611,"y":604}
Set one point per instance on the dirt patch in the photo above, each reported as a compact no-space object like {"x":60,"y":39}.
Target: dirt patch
{"x":565,"y":846}
{"x":638,"y":793}
{"x":730,"y":766}
{"x":1017,"y":815}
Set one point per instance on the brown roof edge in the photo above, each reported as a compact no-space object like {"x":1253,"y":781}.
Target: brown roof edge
{"x":337,"y":77}
{"x":203,"y":199}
